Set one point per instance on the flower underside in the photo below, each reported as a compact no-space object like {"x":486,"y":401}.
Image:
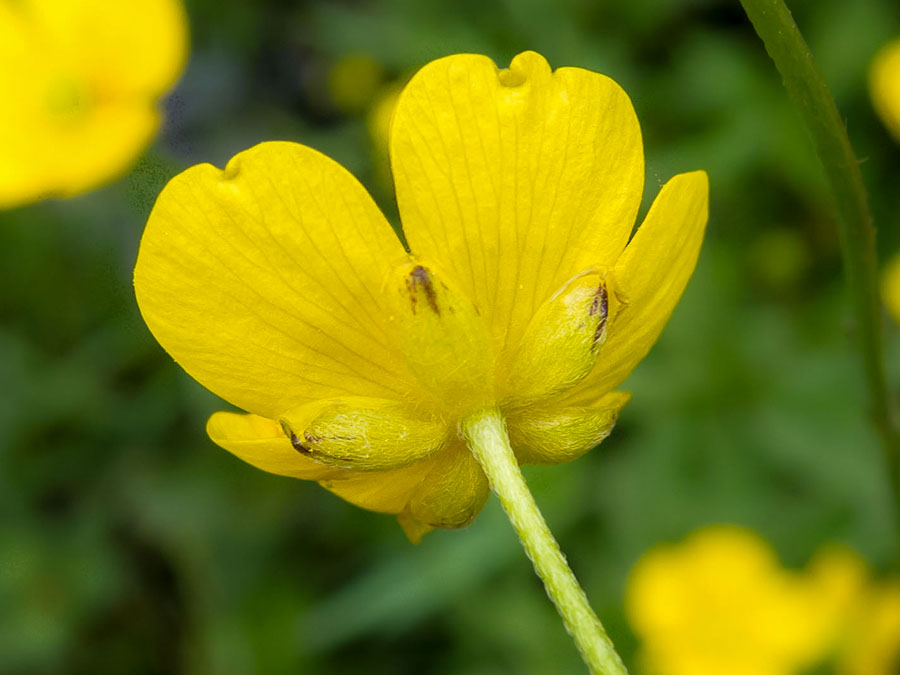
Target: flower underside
{"x":279,"y":285}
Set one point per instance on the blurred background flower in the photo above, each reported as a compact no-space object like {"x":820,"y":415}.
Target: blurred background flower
{"x":130,"y":543}
{"x":890,"y":287}
{"x":884,"y":81}
{"x":721,"y":602}
{"x":860,"y":614}
{"x":81,"y":82}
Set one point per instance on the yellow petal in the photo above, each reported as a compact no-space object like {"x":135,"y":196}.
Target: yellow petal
{"x":884,"y":83}
{"x":365,"y":434}
{"x":262,"y":443}
{"x":560,"y":434}
{"x":511,"y":180}
{"x":650,"y":278}
{"x":263,"y":281}
{"x":442,"y":337}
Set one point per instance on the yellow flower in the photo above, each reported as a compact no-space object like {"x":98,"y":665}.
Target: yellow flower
{"x":720,"y":603}
{"x":81,"y":81}
{"x":354,"y":81}
{"x":863,"y":616}
{"x":890,"y":287}
{"x":884,"y":83}
{"x":378,"y":122}
{"x":279,"y":285}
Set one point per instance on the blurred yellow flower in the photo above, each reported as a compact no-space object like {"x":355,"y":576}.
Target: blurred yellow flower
{"x":863,"y":615}
{"x":380,"y":115}
{"x":884,"y":83}
{"x":279,"y":285}
{"x":354,"y":81}
{"x":890,"y":287}
{"x":720,"y":602}
{"x":82,"y":81}
{"x":378,"y":122}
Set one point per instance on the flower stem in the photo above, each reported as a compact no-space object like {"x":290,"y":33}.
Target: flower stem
{"x":485,"y":434}
{"x":807,"y":88}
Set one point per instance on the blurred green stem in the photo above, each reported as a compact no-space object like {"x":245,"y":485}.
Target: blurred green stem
{"x":807,"y":88}
{"x":485,"y":434}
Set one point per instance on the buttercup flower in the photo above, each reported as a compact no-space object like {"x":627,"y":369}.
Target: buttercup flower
{"x":81,"y":82}
{"x":720,"y":603}
{"x":279,"y":285}
{"x":884,"y":83}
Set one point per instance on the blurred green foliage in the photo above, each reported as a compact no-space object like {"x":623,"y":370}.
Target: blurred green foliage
{"x":129,"y":543}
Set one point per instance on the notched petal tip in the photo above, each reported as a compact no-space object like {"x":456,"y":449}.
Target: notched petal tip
{"x":267,"y":151}
{"x":524,"y":67}
{"x":232,"y":168}
{"x":470,"y":141}
{"x":239,"y":277}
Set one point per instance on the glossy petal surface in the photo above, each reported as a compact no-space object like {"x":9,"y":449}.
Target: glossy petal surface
{"x":263,"y":281}
{"x":511,"y":179}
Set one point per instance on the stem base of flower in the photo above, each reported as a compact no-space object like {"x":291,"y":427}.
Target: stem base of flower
{"x":485,"y":434}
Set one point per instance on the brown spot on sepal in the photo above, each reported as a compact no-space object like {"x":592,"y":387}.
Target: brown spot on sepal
{"x":418,"y":279}
{"x":307,"y":451}
{"x":600,"y":305}
{"x":299,"y":447}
